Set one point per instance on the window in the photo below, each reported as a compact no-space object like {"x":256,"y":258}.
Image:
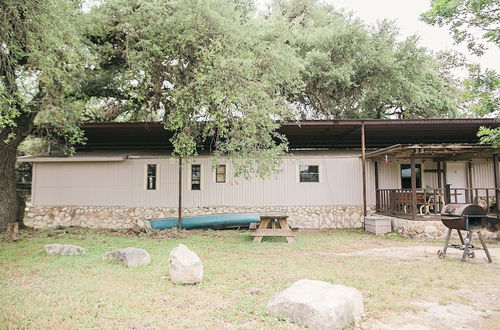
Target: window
{"x":308,"y":173}
{"x":406,"y":176}
{"x":220,"y":174}
{"x":195,"y":177}
{"x":151,"y":177}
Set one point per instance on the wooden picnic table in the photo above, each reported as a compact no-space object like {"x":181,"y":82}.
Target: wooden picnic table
{"x":272,"y":225}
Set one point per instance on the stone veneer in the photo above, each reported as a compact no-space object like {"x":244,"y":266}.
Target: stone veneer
{"x":303,"y":217}
{"x":429,"y":230}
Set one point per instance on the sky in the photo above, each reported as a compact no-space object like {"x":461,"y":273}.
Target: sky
{"x":406,"y":14}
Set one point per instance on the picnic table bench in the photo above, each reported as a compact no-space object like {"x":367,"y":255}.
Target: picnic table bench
{"x":272,"y":225}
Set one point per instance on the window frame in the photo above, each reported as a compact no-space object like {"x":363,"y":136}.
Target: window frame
{"x":191,"y":177}
{"x":400,"y":175}
{"x":217,"y":173}
{"x":156,"y":176}
{"x":309,"y":164}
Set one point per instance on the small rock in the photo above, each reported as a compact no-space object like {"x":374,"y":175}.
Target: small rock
{"x":129,"y":257}
{"x":64,"y":249}
{"x":185,"y":266}
{"x":317,"y":304}
{"x":255,"y":291}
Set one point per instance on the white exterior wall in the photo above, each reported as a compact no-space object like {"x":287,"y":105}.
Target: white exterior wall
{"x":124,"y":183}
{"x":390,"y":177}
{"x":482,"y":173}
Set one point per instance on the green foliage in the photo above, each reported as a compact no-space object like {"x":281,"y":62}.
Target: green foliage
{"x":489,"y":136}
{"x":213,"y":75}
{"x":482,"y":91}
{"x":32,"y":146}
{"x":463,"y":17}
{"x":356,"y":71}
{"x":41,"y":56}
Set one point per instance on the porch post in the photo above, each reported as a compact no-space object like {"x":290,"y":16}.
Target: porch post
{"x":445,"y":169}
{"x":179,"y":216}
{"x":363,"y":165}
{"x":497,"y":182}
{"x":469,"y":181}
{"x":447,"y":197}
{"x":377,"y":198}
{"x":439,"y":175}
{"x":413,"y":187}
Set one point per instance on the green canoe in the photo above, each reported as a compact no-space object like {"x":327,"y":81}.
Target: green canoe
{"x":216,"y":221}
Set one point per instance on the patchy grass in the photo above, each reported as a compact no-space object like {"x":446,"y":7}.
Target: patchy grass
{"x":39,"y":291}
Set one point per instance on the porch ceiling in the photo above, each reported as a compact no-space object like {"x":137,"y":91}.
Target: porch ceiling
{"x":435,"y":151}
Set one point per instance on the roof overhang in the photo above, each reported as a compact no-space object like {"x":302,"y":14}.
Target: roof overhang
{"x":305,"y":134}
{"x":47,"y":158}
{"x":435,"y":151}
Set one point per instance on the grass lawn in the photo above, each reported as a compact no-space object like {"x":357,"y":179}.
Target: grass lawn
{"x":39,"y":291}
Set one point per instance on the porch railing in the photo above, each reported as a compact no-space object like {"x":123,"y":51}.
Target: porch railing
{"x":431,"y":200}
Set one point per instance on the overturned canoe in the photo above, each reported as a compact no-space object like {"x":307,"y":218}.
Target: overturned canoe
{"x":216,"y":221}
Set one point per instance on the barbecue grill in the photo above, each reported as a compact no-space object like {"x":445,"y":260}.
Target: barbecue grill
{"x":471,"y":218}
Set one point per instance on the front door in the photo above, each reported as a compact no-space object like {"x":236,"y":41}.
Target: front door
{"x":456,"y":176}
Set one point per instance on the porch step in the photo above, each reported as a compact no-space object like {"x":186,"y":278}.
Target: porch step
{"x":378,"y":224}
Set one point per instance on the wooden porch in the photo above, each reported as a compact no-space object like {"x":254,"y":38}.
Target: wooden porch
{"x":426,"y":203}
{"x":430,"y":202}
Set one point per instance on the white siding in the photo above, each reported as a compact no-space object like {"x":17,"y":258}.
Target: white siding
{"x":389,"y":175}
{"x":482,"y":173}
{"x":123,"y":183}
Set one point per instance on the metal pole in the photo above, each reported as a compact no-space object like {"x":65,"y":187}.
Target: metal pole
{"x":377,"y":198}
{"x":179,"y":217}
{"x":413,"y":187}
{"x":497,"y":183}
{"x":363,"y":165}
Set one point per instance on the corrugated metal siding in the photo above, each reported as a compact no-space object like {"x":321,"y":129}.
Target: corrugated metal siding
{"x":123,"y":184}
{"x":482,"y":173}
{"x":389,"y":174}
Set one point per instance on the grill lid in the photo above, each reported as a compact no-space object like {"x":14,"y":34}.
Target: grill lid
{"x":460,"y":210}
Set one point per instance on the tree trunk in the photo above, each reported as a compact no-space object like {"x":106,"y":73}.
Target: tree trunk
{"x":8,"y":193}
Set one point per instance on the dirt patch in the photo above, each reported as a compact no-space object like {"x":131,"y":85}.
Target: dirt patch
{"x":437,"y":316}
{"x":479,"y":308}
{"x":421,"y":253}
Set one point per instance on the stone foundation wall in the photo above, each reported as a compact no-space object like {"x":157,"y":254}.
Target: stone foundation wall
{"x":304,"y":217}
{"x":429,"y":230}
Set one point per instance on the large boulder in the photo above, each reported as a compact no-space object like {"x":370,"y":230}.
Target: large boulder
{"x":317,"y":304}
{"x":64,"y":249}
{"x":129,"y":257}
{"x":185,"y":266}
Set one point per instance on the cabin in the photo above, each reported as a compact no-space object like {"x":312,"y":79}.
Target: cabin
{"x":336,"y":174}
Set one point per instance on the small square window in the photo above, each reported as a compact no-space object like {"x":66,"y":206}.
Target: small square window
{"x":220,"y":174}
{"x":308,"y":173}
{"x":195,"y":177}
{"x":151,"y":177}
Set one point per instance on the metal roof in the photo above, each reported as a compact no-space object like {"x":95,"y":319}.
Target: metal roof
{"x":329,"y":134}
